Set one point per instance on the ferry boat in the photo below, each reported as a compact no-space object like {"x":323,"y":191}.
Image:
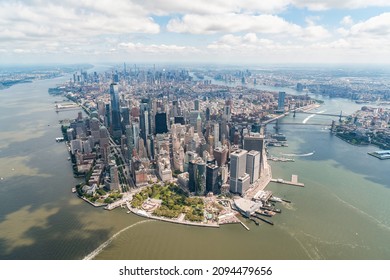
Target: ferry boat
{"x":275,"y":199}
{"x":279,"y":137}
{"x":73,"y":190}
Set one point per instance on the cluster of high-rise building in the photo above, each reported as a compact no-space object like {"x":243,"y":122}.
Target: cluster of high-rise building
{"x":164,"y":126}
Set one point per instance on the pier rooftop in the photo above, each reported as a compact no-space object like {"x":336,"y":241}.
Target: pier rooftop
{"x":385,"y":154}
{"x":246,"y":207}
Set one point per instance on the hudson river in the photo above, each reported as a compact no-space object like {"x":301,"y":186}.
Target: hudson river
{"x":341,"y":213}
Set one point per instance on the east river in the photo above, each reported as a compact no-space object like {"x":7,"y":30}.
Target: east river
{"x":341,"y":213}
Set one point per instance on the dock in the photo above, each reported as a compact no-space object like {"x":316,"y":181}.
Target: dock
{"x":293,"y":182}
{"x":244,"y":225}
{"x":264,"y":220}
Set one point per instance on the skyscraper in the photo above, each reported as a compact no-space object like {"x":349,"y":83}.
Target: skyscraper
{"x":144,"y":119}
{"x":212,"y":182}
{"x":196,"y":107}
{"x":220,"y":155}
{"x":197,"y":176}
{"x":115,"y":111}
{"x":161,"y":123}
{"x":216,"y":135}
{"x":199,"y":125}
{"x":237,"y":168}
{"x":255,"y":141}
{"x":130,"y":141}
{"x":282,"y":95}
{"x":253,"y":165}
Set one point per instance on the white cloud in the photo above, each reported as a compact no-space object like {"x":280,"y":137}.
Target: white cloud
{"x":165,"y":7}
{"x":249,"y":41}
{"x":72,"y":19}
{"x":155,"y":48}
{"x":234,"y":23}
{"x":222,"y":23}
{"x":320,"y":5}
{"x":375,"y":26}
{"x":347,"y":21}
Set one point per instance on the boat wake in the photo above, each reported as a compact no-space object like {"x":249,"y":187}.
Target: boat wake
{"x":313,"y":115}
{"x":378,"y":222}
{"x":97,"y":251}
{"x":298,"y":155}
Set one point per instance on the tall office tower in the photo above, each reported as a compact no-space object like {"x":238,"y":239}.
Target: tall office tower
{"x":243,"y":183}
{"x":124,"y":148}
{"x":253,"y":165}
{"x":125,"y":112}
{"x":212,"y":179}
{"x":208,"y":113}
{"x":161,"y":123}
{"x":210,"y":141}
{"x":115,"y":78}
{"x":71,"y":134}
{"x":150,"y":146}
{"x":220,"y":155}
{"x":104,"y":143}
{"x":104,"y":137}
{"x":232,"y":130}
{"x":189,"y":156}
{"x":86,"y":147}
{"x":101,"y":108}
{"x":152,"y":115}
{"x":281,"y":98}
{"x":130,"y":141}
{"x":115,"y":111}
{"x":224,"y":129}
{"x":144,"y":119}
{"x":193,"y":117}
{"x":175,"y":108}
{"x":199,"y":125}
{"x":197,"y":176}
{"x":255,"y":141}
{"x":216,"y":135}
{"x":76,"y":145}
{"x":227,"y":112}
{"x":114,"y":176}
{"x":196,"y":105}
{"x":95,"y":130}
{"x":136,"y":132}
{"x":237,"y":168}
{"x":107,"y":115}
{"x":224,"y":174}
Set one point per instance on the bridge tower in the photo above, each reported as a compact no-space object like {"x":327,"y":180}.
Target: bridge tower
{"x":276,"y":127}
{"x":294,"y":114}
{"x":341,"y":114}
{"x":333,"y":126}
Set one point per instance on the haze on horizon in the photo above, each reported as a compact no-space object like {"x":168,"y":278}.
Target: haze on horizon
{"x":217,"y":31}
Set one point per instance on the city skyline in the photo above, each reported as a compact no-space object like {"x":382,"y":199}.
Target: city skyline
{"x":253,"y":32}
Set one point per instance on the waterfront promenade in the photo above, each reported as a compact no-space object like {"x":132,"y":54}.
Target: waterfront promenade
{"x":178,"y":220}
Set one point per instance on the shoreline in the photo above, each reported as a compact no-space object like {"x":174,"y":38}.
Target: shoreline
{"x":144,"y":214}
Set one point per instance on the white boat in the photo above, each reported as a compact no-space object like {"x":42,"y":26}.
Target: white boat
{"x":275,"y":199}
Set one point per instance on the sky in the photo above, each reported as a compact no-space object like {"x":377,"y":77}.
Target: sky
{"x":195,"y":31}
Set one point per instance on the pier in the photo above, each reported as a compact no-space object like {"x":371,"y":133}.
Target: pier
{"x":262,"y":219}
{"x":244,"y":225}
{"x":293,"y":182}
